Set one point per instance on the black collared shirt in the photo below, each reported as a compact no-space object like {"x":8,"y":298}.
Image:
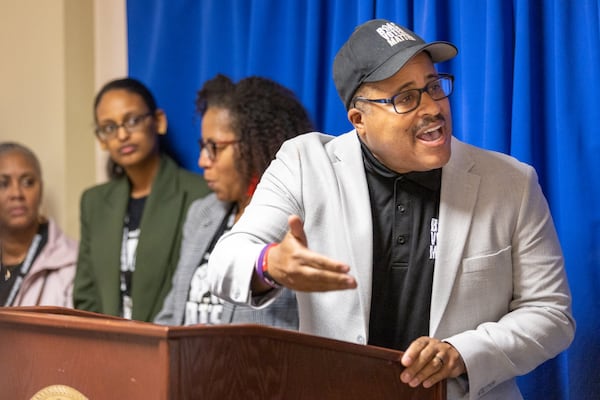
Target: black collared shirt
{"x":405,"y":213}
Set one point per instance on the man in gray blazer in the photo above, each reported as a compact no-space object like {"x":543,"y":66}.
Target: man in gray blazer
{"x":398,"y":235}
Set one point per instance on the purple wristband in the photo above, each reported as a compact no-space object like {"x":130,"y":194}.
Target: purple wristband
{"x":259,"y":263}
{"x":261,"y":267}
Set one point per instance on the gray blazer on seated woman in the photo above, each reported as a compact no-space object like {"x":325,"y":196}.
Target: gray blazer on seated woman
{"x":243,"y":126}
{"x":204,"y":220}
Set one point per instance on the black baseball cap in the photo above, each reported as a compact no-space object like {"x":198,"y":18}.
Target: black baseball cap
{"x":377,"y":50}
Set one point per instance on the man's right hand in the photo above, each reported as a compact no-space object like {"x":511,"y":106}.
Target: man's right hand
{"x":293,"y":265}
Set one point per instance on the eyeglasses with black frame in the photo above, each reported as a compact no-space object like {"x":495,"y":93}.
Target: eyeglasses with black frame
{"x":213,"y":147}
{"x":408,"y":100}
{"x":131,"y":123}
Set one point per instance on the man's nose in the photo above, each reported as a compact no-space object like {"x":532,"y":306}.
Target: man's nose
{"x":429,"y":105}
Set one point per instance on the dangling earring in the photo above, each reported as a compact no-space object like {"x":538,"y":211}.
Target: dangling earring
{"x":252,"y":186}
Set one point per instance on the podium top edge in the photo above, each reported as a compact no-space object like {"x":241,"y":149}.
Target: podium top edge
{"x":66,"y":319}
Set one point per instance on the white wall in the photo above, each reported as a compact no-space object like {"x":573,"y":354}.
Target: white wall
{"x":55,"y":55}
{"x":110,"y":54}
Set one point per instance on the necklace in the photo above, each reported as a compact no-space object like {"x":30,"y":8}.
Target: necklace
{"x":5,"y":269}
{"x":9,"y":270}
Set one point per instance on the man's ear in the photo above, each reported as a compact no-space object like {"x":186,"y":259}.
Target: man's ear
{"x":355,"y":116}
{"x":161,"y":122}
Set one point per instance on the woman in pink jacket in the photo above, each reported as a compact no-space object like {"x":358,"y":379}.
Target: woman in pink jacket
{"x":38,"y":260}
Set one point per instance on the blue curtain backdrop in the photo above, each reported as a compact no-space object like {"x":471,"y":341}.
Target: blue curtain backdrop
{"x":526,"y":85}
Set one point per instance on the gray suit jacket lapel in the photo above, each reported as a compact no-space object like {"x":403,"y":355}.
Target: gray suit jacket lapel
{"x":458,"y":197}
{"x":202,"y":222}
{"x":355,"y":205}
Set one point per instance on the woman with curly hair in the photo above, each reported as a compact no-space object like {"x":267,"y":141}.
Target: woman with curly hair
{"x":243,"y":126}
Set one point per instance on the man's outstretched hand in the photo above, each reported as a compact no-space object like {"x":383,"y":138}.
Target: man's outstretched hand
{"x":292,"y":264}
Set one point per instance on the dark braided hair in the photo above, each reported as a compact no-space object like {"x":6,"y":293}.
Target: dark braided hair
{"x":264,"y":114}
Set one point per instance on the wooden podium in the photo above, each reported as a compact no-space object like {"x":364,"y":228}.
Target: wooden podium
{"x":55,"y":353}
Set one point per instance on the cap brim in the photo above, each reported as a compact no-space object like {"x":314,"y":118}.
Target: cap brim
{"x":439,"y":52}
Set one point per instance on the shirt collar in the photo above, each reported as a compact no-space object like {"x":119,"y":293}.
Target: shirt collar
{"x":429,"y":179}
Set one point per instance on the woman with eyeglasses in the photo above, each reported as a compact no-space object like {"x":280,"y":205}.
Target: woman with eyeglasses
{"x":38,"y":259}
{"x":131,"y":226}
{"x":243,"y":126}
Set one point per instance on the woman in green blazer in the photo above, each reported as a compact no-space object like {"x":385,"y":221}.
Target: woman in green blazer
{"x":131,"y":226}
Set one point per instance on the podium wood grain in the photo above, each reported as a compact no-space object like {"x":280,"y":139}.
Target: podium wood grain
{"x":110,"y":358}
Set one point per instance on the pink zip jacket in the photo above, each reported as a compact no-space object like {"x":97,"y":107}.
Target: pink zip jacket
{"x":49,"y":282}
